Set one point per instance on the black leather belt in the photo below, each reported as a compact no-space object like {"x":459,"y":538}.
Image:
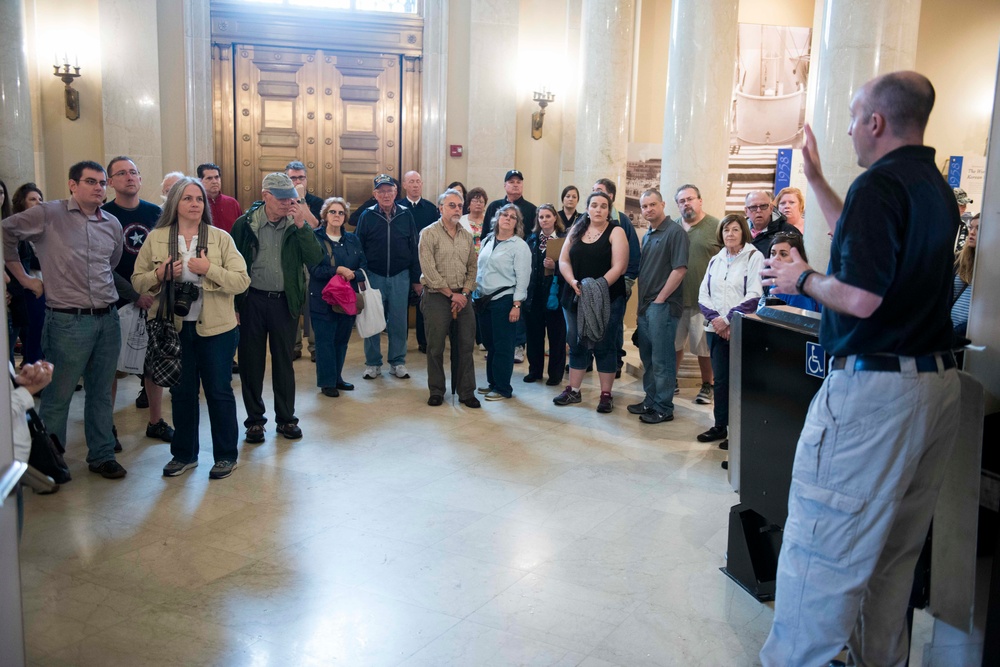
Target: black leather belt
{"x":887,"y":363}
{"x":82,"y":311}
{"x":267,"y":295}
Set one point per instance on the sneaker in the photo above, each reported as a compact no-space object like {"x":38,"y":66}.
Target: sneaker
{"x":704,"y":396}
{"x":255,"y":434}
{"x":175,"y":468}
{"x":372,"y":372}
{"x":482,"y":348}
{"x":638,"y":408}
{"x":655,"y":417}
{"x":519,"y":354}
{"x":142,"y":401}
{"x":222,"y":469}
{"x":109,"y":470}
{"x":567,"y":396}
{"x":484,"y":390}
{"x":400,"y":372}
{"x":290,"y":431}
{"x":118,"y":443}
{"x":677,"y":389}
{"x":712,"y":434}
{"x":605,"y":404}
{"x":495,"y":396}
{"x":160,"y":430}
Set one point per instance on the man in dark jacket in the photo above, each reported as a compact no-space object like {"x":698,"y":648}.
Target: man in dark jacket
{"x":276,"y":243}
{"x":513,"y":185}
{"x":762,"y":227}
{"x":388,"y":237}
{"x":424,"y":214}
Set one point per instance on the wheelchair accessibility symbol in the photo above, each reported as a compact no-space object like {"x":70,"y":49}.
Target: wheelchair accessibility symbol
{"x":815,"y":360}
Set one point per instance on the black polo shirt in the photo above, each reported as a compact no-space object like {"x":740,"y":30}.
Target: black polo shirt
{"x":894,"y":238}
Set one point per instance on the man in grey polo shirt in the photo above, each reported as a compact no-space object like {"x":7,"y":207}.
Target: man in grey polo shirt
{"x":662,"y":268}
{"x":78,"y":246}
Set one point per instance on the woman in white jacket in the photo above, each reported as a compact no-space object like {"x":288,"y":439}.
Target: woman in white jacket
{"x":731,"y":285}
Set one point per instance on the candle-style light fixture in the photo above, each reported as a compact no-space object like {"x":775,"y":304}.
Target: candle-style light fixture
{"x":543,"y":98}
{"x":67,"y":77}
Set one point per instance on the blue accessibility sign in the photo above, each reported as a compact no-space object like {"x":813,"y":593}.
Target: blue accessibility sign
{"x":815,"y":360}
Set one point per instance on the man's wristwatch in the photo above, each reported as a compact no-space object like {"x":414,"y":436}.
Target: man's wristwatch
{"x":800,"y":284}
{"x":517,"y":305}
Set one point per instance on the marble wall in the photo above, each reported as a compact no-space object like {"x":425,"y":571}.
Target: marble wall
{"x":493,"y":47}
{"x":130,"y":92}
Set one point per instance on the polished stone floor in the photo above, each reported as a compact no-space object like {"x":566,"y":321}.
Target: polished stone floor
{"x":395,"y":533}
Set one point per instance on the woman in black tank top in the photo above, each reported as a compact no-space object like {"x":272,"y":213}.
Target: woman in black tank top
{"x":595,"y":248}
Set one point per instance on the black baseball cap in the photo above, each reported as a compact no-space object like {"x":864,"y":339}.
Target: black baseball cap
{"x":383,"y":179}
{"x":513,"y":173}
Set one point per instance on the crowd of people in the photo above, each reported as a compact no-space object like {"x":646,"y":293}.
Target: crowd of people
{"x":524,"y":282}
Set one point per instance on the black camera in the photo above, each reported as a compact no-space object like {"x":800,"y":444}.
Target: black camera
{"x":184,"y":295}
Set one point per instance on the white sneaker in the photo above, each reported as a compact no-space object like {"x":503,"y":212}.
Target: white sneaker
{"x":400,"y":371}
{"x":372,"y":372}
{"x":519,"y":354}
{"x":482,"y":348}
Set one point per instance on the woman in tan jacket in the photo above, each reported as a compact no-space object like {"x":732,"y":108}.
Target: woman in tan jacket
{"x":208,"y":267}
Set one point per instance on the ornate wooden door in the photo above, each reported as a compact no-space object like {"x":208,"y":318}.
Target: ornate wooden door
{"x":337,"y":112}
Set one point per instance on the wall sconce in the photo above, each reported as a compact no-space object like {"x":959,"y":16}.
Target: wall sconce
{"x":72,"y":94}
{"x":543,"y":98}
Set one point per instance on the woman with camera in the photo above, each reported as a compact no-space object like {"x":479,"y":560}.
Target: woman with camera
{"x":206,"y":271}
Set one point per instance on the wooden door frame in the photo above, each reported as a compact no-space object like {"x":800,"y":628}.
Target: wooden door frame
{"x":390,"y":35}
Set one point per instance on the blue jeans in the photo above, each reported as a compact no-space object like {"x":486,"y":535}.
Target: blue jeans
{"x":333,"y":333}
{"x":498,"y":334}
{"x":205,"y":361}
{"x":657,"y":329}
{"x":87,"y":346}
{"x":605,"y":352}
{"x":719,"y":349}
{"x":395,"y":297}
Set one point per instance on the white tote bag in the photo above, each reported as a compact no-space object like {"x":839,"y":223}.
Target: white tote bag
{"x":132,"y":354}
{"x":371,"y":320}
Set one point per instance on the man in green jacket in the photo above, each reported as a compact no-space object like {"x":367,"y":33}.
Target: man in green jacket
{"x":275,"y":248}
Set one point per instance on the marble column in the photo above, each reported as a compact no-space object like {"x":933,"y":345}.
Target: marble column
{"x":130,"y":88}
{"x":696,"y":118}
{"x":602,"y":117}
{"x":17,"y":157}
{"x":434,"y":98}
{"x":571,"y":87}
{"x":492,"y":92}
{"x":858,"y":41}
{"x":198,"y":80}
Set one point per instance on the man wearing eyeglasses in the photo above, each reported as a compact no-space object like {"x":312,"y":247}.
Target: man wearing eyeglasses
{"x":137,"y":218}
{"x":310,"y":205}
{"x":448,"y":274}
{"x":763,"y":227}
{"x":701,"y":230}
{"x":309,"y":209}
{"x":78,"y":246}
